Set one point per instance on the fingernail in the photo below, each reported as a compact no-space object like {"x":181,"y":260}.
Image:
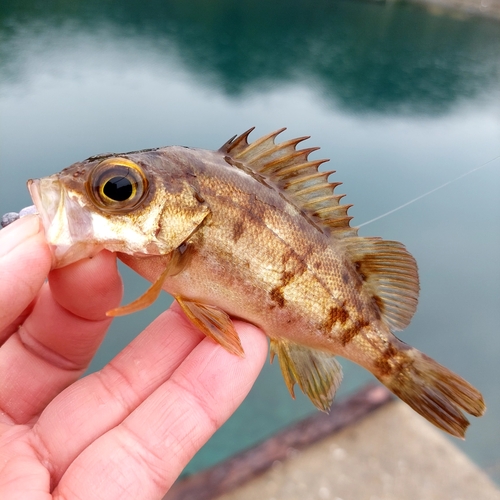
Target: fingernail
{"x":18,"y":232}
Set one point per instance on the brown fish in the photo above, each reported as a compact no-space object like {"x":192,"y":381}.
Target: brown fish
{"x":255,"y":231}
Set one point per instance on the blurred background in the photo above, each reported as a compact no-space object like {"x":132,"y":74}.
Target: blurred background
{"x":402,"y":99}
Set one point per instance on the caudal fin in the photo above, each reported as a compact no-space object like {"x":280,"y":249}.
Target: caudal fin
{"x":435,"y":392}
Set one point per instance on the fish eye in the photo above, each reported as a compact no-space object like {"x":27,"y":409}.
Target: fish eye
{"x":117,"y":185}
{"x":119,"y":188}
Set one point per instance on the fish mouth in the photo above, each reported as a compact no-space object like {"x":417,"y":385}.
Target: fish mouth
{"x":46,"y":206}
{"x":67,"y":225}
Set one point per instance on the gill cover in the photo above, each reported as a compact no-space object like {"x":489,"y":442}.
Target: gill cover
{"x":120,"y":203}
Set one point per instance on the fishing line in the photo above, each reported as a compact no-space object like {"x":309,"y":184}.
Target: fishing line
{"x":429,"y":192}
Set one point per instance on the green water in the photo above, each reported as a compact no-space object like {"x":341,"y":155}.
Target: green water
{"x":400,"y":100}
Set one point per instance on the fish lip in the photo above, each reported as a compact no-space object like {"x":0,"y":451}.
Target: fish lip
{"x":68,"y":228}
{"x":49,"y":196}
{"x":47,"y":212}
{"x":34,"y":190}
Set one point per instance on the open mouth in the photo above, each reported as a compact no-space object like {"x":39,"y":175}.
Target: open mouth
{"x":68,"y":227}
{"x":46,"y":206}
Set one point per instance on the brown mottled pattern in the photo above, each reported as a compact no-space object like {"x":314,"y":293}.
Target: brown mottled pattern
{"x":335,"y":315}
{"x":238,"y":229}
{"x":385,"y":362}
{"x":276,"y":295}
{"x":349,"y":332}
{"x":276,"y":249}
{"x":293,"y":282}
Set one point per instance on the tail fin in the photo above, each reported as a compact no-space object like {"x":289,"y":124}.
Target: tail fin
{"x":435,"y":392}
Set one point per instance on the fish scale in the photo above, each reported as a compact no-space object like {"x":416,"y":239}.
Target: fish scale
{"x":256,"y":231}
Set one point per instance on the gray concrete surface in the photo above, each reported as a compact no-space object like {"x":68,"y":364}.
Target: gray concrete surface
{"x":458,"y":8}
{"x":393,"y":454}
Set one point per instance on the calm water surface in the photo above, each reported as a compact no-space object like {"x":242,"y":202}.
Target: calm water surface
{"x":400,"y":100}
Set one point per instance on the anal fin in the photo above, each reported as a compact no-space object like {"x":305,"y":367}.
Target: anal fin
{"x":317,"y":373}
{"x":214,"y":323}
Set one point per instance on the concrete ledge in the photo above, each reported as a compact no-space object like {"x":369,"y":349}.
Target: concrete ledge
{"x":242,"y":467}
{"x":391,"y":455}
{"x":369,"y":448}
{"x":487,"y":8}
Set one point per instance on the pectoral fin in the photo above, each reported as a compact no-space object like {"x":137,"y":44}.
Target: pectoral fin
{"x":214,"y":323}
{"x":318,"y":373}
{"x":180,"y":258}
{"x":145,"y":300}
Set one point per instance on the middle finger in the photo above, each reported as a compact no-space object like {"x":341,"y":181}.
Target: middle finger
{"x":52,"y":348}
{"x":100,"y":401}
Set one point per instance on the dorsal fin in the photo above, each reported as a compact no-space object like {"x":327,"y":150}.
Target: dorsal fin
{"x":299,"y":179}
{"x":389,"y":273}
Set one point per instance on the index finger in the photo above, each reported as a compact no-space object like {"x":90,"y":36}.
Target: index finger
{"x":24,"y":264}
{"x":55,"y":343}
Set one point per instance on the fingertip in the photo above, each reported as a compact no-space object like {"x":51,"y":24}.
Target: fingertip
{"x":18,"y":232}
{"x":222,"y":380}
{"x":23,"y":247}
{"x":24,"y":264}
{"x":88,"y":288}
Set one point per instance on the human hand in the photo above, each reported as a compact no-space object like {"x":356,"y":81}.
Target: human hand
{"x":126,"y":431}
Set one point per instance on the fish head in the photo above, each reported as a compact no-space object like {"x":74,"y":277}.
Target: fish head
{"x":140,"y":203}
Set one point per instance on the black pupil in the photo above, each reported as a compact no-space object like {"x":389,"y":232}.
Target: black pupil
{"x":118,"y":188}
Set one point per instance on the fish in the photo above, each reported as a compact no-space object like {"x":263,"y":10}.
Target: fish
{"x":255,"y":230}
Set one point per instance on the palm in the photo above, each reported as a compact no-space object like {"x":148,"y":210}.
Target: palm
{"x":124,"y":432}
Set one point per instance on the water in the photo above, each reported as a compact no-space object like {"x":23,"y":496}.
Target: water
{"x":399,"y":99}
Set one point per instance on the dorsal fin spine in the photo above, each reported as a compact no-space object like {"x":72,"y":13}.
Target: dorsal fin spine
{"x":237,"y":141}
{"x":277,"y":150}
{"x":291,"y":144}
{"x":339,"y":222}
{"x":257,"y":145}
{"x":329,"y":198}
{"x":311,"y":189}
{"x":293,"y":169}
{"x":338,"y":208}
{"x":296,"y":177}
{"x":307,"y":178}
{"x":294,"y":156}
{"x":283,"y":164}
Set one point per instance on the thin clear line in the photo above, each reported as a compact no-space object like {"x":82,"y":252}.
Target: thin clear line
{"x":429,"y":192}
